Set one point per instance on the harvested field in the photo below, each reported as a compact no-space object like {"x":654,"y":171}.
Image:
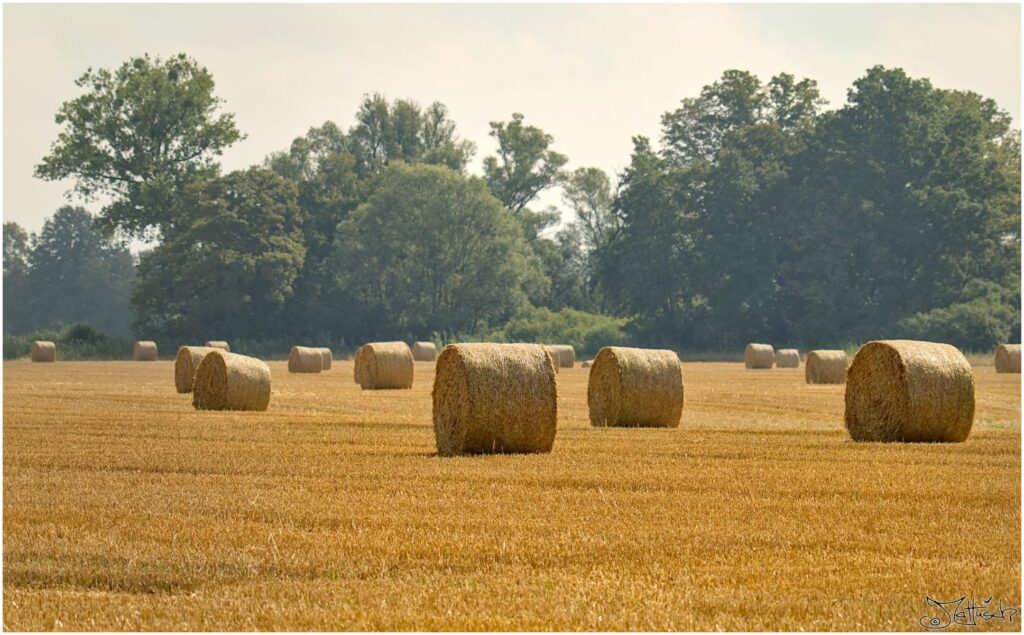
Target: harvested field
{"x":124,"y":508}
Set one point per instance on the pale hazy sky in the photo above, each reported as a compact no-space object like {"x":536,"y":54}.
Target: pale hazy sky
{"x":591,"y":75}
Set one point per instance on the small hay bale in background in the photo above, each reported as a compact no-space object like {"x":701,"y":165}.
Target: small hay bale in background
{"x":303,"y":359}
{"x":565,"y":355}
{"x":424,"y":351}
{"x":222,"y":345}
{"x":186,"y":363}
{"x":43,"y":351}
{"x":326,"y":358}
{"x":144,"y":351}
{"x":1008,"y":358}
{"x":228,"y":381}
{"x":759,"y":356}
{"x":826,"y":367}
{"x":553,"y":356}
{"x":384,"y":365}
{"x":905,"y":390}
{"x":787,"y":358}
{"x":635,"y":387}
{"x":494,"y":398}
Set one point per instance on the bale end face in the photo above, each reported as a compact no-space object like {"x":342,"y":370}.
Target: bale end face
{"x":326,"y":358}
{"x":906,"y":390}
{"x":494,"y":398}
{"x":1008,"y":358}
{"x":185,"y":364}
{"x":826,"y":367}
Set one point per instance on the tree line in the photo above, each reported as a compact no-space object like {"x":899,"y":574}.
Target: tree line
{"x":758,"y":215}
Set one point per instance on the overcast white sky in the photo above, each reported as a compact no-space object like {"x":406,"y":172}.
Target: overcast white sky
{"x":591,"y":75}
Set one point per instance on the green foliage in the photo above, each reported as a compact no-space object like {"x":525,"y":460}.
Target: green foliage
{"x":138,"y":135}
{"x":432,"y":251}
{"x":978,"y":325}
{"x":585,"y":332}
{"x":75,"y":342}
{"x":525,"y":166}
{"x":232,"y":267}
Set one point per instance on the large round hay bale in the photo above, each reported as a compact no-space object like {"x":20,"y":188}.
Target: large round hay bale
{"x":221,"y":344}
{"x":787,"y":358}
{"x":326,"y":358}
{"x":759,"y":356}
{"x":826,"y":367}
{"x":565,"y":355}
{"x":144,"y":351}
{"x":43,"y":351}
{"x":303,"y":359}
{"x":494,"y":398}
{"x":424,"y":351}
{"x":1008,"y":358}
{"x":228,"y":381}
{"x":635,"y":387}
{"x":384,"y":365}
{"x":186,"y":363}
{"x":905,"y":390}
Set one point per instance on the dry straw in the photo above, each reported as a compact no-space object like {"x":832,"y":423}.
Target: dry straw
{"x":424,"y":351}
{"x":227,"y":381}
{"x":303,"y":359}
{"x":43,"y":351}
{"x":494,"y":398}
{"x":905,"y":390}
{"x":787,"y":358}
{"x":326,"y":358}
{"x":826,"y":367}
{"x":222,"y":345}
{"x":384,"y":365}
{"x":144,"y":351}
{"x":553,"y":356}
{"x":564,"y":354}
{"x":1008,"y":358}
{"x":635,"y":387}
{"x":186,"y":363}
{"x":758,"y":356}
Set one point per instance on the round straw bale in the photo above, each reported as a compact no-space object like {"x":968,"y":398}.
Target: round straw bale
{"x":826,"y":367}
{"x":759,"y":356}
{"x":424,"y":351}
{"x":221,"y":344}
{"x":186,"y":363}
{"x":635,"y":387}
{"x":384,"y":365}
{"x":787,"y":358}
{"x":905,"y":390}
{"x":43,"y":351}
{"x":564,"y":354}
{"x":494,"y":398}
{"x":553,"y":354}
{"x":303,"y":359}
{"x":228,"y":381}
{"x":144,"y":351}
{"x":326,"y":358}
{"x":1008,"y":358}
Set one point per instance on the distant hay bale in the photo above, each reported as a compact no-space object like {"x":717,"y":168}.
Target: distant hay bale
{"x":565,"y":355}
{"x":494,"y":398}
{"x":144,"y":351}
{"x":326,"y":358}
{"x":424,"y":351}
{"x":552,"y":354}
{"x":43,"y":351}
{"x":303,"y":359}
{"x":1008,"y":358}
{"x":384,"y":365}
{"x":635,"y":387}
{"x":228,"y":381}
{"x":759,"y":356}
{"x":826,"y":367}
{"x":186,"y":363}
{"x":787,"y":358}
{"x":585,"y":365}
{"x":222,"y":345}
{"x":905,"y":390}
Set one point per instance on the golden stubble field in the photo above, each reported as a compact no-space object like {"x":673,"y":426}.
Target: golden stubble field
{"x":126,"y":509}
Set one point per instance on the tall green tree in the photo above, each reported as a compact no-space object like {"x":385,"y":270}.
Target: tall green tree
{"x":232,"y":267}
{"x":137,"y":136}
{"x":525,"y":164}
{"x":17,"y":287}
{"x":432,"y":251}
